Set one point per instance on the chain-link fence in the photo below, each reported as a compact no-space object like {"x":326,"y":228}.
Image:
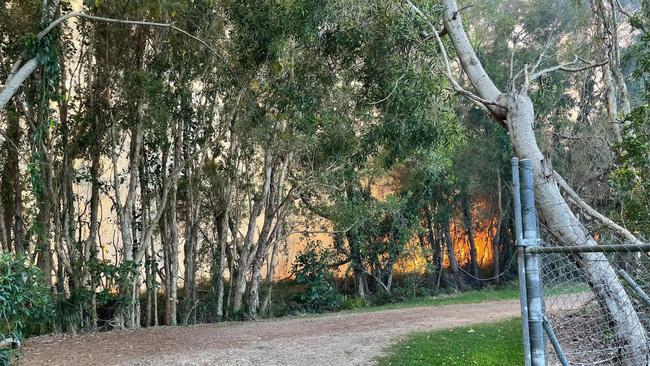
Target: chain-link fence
{"x":582,"y":304}
{"x":579,"y":316}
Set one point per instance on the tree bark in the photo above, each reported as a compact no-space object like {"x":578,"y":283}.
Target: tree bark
{"x":221,"y":222}
{"x":264,"y":309}
{"x":5,"y":243}
{"x":191,"y":233}
{"x":244,"y":261}
{"x":275,"y":212}
{"x":165,"y":238}
{"x":172,"y":276}
{"x":17,"y":79}
{"x":451,"y":255}
{"x":434,"y":243}
{"x":469,"y":231}
{"x":565,"y":226}
{"x":617,"y":94}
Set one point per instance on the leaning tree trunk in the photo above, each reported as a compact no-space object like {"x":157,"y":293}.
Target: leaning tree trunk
{"x":516,"y":109}
{"x":564,"y":225}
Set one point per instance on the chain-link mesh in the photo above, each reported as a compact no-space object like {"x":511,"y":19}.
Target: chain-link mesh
{"x":587,"y":329}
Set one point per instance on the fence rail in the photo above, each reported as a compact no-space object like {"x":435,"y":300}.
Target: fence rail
{"x":600,"y":248}
{"x":581,"y":305}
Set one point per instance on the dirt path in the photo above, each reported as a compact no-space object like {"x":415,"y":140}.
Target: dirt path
{"x":329,"y":340}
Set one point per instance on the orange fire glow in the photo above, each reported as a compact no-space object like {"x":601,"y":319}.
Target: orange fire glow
{"x":484,"y":223}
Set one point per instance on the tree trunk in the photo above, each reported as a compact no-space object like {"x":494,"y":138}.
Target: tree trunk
{"x":616,"y":92}
{"x":11,"y":186}
{"x":148,"y":280}
{"x":153,"y":267}
{"x":434,"y":243}
{"x":172,"y":276}
{"x":44,"y":204}
{"x":356,"y":263}
{"x":7,"y":196}
{"x":271,"y":270}
{"x":231,"y":255}
{"x":222,"y":230}
{"x":18,"y":216}
{"x":93,"y":228}
{"x":125,"y":211}
{"x":165,"y":239}
{"x":361,"y":283}
{"x":451,"y":254}
{"x":560,"y":220}
{"x":469,"y":231}
{"x":497,"y":236}
{"x":171,"y":267}
{"x":565,"y":226}
{"x":244,"y":261}
{"x":273,"y":217}
{"x":191,"y":232}
{"x":4,"y":233}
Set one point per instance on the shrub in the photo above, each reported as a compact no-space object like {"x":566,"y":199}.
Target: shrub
{"x":353,"y":303}
{"x":25,"y":302}
{"x":312,"y":270}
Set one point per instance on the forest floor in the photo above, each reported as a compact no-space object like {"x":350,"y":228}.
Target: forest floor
{"x":353,"y":338}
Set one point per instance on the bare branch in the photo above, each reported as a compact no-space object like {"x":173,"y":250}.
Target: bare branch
{"x":621,"y":9}
{"x":628,"y":236}
{"x":389,"y":94}
{"x":566,"y":67}
{"x":542,"y":54}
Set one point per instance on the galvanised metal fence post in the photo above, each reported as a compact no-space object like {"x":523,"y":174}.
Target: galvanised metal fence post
{"x":521,"y":269}
{"x":533,"y":283}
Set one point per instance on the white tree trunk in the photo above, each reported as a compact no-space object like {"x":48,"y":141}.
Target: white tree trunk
{"x":565,"y":226}
{"x":222,"y":231}
{"x":245,"y":260}
{"x":559,"y":218}
{"x":12,"y":84}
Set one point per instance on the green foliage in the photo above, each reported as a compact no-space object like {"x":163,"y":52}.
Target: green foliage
{"x":486,"y":345}
{"x":312,"y":270}
{"x":25,"y":302}
{"x":354,"y":303}
{"x":631,"y":177}
{"x":406,"y":287}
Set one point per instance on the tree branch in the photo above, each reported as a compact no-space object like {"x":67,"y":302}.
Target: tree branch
{"x":19,"y":74}
{"x":445,"y":58}
{"x":566,"y":67}
{"x":621,"y":9}
{"x":628,"y":236}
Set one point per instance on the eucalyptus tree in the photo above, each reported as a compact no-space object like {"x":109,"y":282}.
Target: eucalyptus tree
{"x":377,"y":120}
{"x":515,"y":110}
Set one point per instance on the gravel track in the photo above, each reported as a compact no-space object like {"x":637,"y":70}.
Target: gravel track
{"x":354,"y":338}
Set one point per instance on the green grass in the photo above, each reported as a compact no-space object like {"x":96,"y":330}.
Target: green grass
{"x":467,"y":297}
{"x":487,"y":344}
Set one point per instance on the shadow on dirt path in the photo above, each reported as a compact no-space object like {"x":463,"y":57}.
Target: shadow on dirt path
{"x":329,"y":340}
